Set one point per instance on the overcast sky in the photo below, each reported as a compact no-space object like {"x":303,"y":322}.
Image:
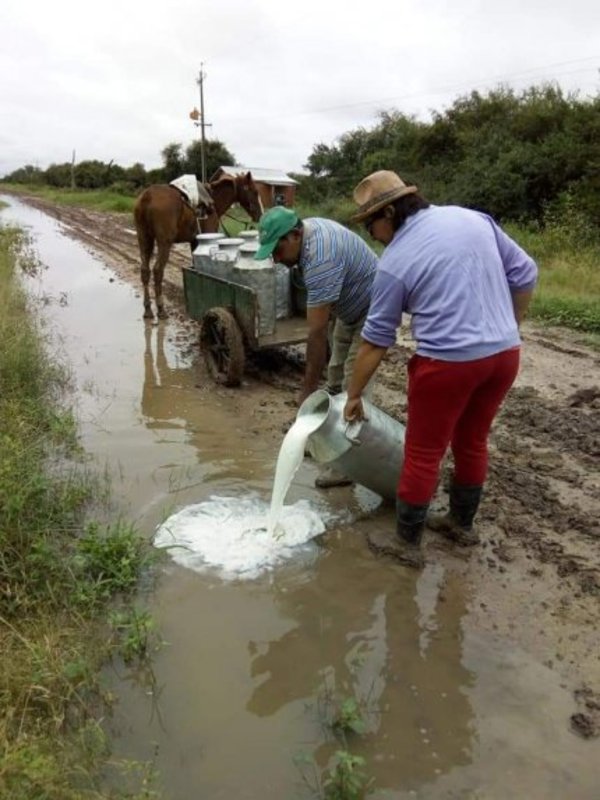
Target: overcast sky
{"x":117,"y":80}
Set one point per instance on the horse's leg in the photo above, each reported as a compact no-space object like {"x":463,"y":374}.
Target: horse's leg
{"x":158,"y":272}
{"x":146,"y":243}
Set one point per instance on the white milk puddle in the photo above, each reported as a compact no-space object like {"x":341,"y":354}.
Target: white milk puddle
{"x":237,"y":536}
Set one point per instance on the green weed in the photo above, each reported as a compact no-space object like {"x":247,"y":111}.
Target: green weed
{"x":136,"y":632}
{"x":108,"y":560}
{"x":346,"y":779}
{"x":348,"y":717}
{"x":343,"y":716}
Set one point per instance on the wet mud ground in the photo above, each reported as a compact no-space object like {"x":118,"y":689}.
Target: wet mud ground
{"x":535,"y":579}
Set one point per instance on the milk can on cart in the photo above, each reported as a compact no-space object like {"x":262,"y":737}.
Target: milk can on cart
{"x":202,"y":255}
{"x":242,"y":305}
{"x":260,"y":277}
{"x":224,"y":256}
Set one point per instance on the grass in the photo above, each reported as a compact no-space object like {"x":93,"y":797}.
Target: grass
{"x":58,"y":574}
{"x":568,"y":290}
{"x":104,"y":200}
{"x":96,"y":199}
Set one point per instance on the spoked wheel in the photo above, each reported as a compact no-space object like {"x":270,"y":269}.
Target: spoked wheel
{"x":223,"y":347}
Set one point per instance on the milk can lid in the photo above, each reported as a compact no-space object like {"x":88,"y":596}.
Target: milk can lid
{"x":209,"y":237}
{"x":249,"y":247}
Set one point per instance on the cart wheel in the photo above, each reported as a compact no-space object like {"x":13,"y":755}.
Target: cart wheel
{"x":223,"y":347}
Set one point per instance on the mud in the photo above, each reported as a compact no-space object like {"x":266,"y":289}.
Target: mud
{"x":535,"y":578}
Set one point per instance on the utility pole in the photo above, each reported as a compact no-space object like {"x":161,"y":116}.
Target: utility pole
{"x":73,"y":171}
{"x":202,"y":124}
{"x":197,"y":118}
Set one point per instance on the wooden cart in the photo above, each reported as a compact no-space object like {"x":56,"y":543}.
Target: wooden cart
{"x":228,"y":314}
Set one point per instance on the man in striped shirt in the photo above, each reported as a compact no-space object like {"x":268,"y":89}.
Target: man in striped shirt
{"x":338,"y":269}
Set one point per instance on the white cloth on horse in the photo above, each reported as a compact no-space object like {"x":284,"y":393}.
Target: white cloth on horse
{"x":196,"y":192}
{"x":205,"y":196}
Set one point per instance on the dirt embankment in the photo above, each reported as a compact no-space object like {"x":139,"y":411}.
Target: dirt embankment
{"x":536,"y":576}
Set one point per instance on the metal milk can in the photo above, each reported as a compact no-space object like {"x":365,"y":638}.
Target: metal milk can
{"x":201,"y":256}
{"x":249,"y":236}
{"x":224,"y":255}
{"x":283,"y":293}
{"x":370,"y":452}
{"x":259,"y":276}
{"x":298,"y":291}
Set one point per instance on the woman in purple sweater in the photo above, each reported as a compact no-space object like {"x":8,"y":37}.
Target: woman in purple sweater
{"x":466,"y":286}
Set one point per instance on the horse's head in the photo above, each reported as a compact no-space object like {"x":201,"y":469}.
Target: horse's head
{"x":246,"y":194}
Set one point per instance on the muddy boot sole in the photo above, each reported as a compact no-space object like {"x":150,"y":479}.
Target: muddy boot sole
{"x":450,"y":530}
{"x":384,"y":543}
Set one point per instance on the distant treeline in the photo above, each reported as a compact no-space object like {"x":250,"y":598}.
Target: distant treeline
{"x":516,"y":156}
{"x":127,"y":180}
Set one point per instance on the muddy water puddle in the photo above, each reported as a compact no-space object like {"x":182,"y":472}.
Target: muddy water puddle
{"x":246,"y":688}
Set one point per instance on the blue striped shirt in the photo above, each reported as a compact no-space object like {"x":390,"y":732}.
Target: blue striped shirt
{"x":453,"y":270}
{"x":337,"y":267}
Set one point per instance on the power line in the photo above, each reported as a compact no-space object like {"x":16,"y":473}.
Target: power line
{"x":438,"y":90}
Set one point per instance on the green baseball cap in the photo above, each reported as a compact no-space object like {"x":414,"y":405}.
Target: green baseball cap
{"x":274,"y":224}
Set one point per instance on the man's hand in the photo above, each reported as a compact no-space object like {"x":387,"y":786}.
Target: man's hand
{"x":354,"y":411}
{"x":316,"y":348}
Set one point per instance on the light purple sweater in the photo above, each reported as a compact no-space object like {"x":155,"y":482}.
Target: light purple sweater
{"x":453,"y":270}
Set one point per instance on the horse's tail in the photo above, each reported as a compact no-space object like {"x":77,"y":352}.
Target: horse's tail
{"x":143,"y":226}
{"x":141,"y":205}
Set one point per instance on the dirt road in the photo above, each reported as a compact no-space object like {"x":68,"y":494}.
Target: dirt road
{"x":536,"y":576}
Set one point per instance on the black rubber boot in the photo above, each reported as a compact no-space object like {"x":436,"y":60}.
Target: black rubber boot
{"x":410,"y":521}
{"x":457,"y":524}
{"x":405,"y":546}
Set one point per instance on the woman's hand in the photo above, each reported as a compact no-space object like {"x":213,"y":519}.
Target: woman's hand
{"x":354,"y":411}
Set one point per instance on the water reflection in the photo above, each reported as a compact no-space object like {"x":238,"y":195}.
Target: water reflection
{"x":178,"y":396}
{"x":162,"y":405}
{"x":396,"y":648}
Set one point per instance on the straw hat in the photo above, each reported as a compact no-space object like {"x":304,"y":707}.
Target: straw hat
{"x":378,"y":190}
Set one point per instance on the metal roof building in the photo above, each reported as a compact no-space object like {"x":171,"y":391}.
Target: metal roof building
{"x":275,"y":186}
{"x":269,"y":176}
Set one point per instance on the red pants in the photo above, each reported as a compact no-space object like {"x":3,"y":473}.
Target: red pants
{"x":451,"y":402}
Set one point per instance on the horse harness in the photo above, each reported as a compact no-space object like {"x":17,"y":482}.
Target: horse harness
{"x":201,"y":211}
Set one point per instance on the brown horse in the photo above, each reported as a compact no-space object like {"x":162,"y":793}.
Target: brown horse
{"x":162,"y":216}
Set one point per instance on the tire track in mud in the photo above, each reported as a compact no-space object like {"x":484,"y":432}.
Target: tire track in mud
{"x":537,"y":439}
{"x":540,"y":451}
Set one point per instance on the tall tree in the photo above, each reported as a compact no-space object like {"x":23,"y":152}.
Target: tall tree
{"x":217,"y":155}
{"x":172,"y":161}
{"x":511,"y":154}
